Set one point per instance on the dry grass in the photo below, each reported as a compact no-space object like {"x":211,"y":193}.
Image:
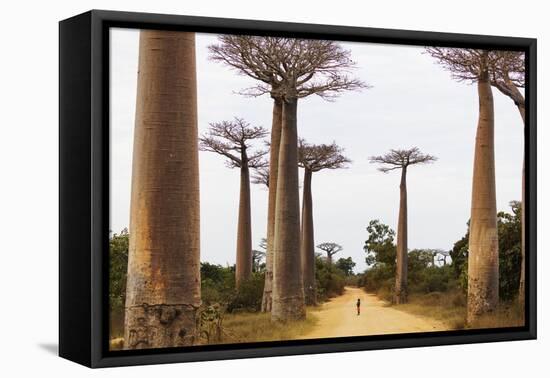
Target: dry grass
{"x":449,"y":308}
{"x":509,"y":314}
{"x":253,"y":327}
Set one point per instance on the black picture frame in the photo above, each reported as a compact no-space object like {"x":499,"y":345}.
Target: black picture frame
{"x":84,"y":188}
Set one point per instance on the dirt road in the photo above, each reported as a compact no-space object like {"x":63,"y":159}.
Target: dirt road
{"x":338,"y":318}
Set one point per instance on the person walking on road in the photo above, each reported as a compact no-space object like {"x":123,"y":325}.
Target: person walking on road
{"x":358,"y":306}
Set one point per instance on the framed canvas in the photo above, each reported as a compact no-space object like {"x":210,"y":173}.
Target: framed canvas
{"x":235,"y":188}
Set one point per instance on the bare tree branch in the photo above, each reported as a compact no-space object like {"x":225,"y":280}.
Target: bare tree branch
{"x":288,"y":67}
{"x":322,"y":156}
{"x":508,"y":74}
{"x":231,"y":139}
{"x":261,"y":175}
{"x":505,"y":69}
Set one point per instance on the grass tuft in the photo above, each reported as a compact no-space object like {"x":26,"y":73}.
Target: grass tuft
{"x":254,"y":327}
{"x":450,"y":308}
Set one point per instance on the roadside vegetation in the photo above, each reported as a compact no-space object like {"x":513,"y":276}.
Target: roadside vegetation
{"x":229,"y":314}
{"x":438,"y":280}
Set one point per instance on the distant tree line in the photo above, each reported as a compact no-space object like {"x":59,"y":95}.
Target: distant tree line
{"x":427,"y":276}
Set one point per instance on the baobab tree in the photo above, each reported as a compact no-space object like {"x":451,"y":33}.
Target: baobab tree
{"x":288,"y":69}
{"x":163,"y":283}
{"x":401,"y":159}
{"x":508,"y":75}
{"x":313,"y":158}
{"x":330,"y":249}
{"x":232,"y":140}
{"x":474,"y":66}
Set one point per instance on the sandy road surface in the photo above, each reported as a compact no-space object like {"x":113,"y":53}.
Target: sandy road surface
{"x":338,"y":318}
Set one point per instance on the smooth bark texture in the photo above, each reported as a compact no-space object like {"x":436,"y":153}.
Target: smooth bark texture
{"x":163,"y":287}
{"x":288,"y":291}
{"x":483,"y":241}
{"x":402,"y":248}
{"x":243,"y":268}
{"x":276,"y":125}
{"x":307,"y":243}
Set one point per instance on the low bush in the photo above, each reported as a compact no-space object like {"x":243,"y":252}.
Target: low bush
{"x":249,"y":295}
{"x":218,"y":287}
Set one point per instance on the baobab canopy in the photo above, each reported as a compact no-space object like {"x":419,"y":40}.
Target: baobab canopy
{"x":399,"y":158}
{"x":288,"y":66}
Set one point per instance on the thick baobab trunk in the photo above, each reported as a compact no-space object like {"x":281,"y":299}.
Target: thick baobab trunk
{"x":329,"y":258}
{"x":288,"y":290}
{"x":402,"y":248}
{"x":483,"y":244}
{"x":307,"y":246}
{"x":273,"y":169}
{"x":163,"y":287}
{"x":243,"y":268}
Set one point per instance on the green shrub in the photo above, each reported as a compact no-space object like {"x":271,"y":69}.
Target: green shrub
{"x":218,"y":287}
{"x":378,"y":276}
{"x":433,"y":279}
{"x":330,"y":281}
{"x":249,"y":295}
{"x":118,"y":266}
{"x":217,"y":283}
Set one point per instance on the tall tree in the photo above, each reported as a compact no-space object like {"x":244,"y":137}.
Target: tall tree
{"x":380,"y":247}
{"x":508,"y":75}
{"x":330,"y":249}
{"x":475,"y":66}
{"x":401,"y":159}
{"x":313,"y":158}
{"x":346,"y":265}
{"x":163,"y":284}
{"x":287,"y":69}
{"x":232,"y":140}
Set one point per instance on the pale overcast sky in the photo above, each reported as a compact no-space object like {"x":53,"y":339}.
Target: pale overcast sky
{"x":412,"y":102}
